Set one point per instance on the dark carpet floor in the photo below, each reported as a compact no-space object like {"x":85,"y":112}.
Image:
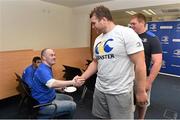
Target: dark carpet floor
{"x":165,"y":102}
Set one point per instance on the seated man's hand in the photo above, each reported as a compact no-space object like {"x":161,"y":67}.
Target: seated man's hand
{"x":79,"y":81}
{"x":60,"y":89}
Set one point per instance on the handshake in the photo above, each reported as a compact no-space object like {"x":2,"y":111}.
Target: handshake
{"x":78,"y":81}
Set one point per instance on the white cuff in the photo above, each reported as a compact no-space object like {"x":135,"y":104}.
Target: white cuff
{"x":50,"y":82}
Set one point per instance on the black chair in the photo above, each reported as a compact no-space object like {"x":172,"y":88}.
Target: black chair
{"x":71,"y":72}
{"x":32,"y":104}
{"x":89,"y":84}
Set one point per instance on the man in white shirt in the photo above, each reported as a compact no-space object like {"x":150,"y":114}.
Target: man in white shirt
{"x":118,"y":59}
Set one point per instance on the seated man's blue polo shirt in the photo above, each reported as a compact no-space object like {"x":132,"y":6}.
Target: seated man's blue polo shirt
{"x":40,"y":91}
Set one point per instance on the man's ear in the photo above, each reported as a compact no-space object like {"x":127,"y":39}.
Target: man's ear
{"x":43,"y":58}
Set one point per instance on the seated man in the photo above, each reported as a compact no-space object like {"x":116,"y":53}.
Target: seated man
{"x":44,"y":85}
{"x":29,"y":71}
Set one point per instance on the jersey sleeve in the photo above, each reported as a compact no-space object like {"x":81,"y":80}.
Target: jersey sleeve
{"x":44,"y":76}
{"x":132,"y":41}
{"x":155,"y":45}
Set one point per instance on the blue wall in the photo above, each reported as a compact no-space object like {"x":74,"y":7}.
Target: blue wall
{"x":169,"y":36}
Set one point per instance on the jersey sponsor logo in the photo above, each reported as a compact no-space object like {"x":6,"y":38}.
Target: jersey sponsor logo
{"x":108,"y":56}
{"x":138,"y":44}
{"x":144,"y":40}
{"x":103,"y":47}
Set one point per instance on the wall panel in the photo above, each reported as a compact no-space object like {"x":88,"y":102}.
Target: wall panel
{"x":17,"y":61}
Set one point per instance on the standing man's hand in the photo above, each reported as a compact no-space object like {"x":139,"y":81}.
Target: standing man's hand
{"x":78,"y":81}
{"x":141,"y":99}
